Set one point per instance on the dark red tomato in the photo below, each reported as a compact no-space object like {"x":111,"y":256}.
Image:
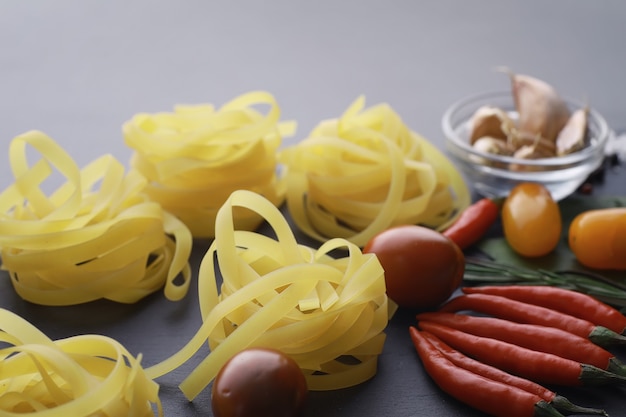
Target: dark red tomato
{"x":259,"y":382}
{"x":422,"y":266}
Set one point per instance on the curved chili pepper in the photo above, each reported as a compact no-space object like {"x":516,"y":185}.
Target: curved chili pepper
{"x":506,"y":308}
{"x":540,"y":338}
{"x":484,"y":394}
{"x":543,"y":368}
{"x":473,"y":223}
{"x":567,"y":301}
{"x":559,"y":402}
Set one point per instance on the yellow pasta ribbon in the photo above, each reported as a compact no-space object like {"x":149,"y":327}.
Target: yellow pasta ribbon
{"x":328,"y":314}
{"x":196,"y":156}
{"x":81,"y":376}
{"x":366,"y":171}
{"x":95,"y":236}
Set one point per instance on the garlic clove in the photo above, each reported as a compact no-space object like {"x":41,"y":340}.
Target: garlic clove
{"x":531,"y":152}
{"x":540,"y":108}
{"x":489,"y":144}
{"x":573,"y":136}
{"x":489,"y":121}
{"x":528,"y":152}
{"x":543,"y":146}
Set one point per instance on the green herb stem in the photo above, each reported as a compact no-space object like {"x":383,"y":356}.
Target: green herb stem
{"x":485,"y":272}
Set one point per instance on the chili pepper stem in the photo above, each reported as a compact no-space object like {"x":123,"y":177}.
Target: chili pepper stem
{"x":591,"y":375}
{"x":602,"y":336}
{"x":566,"y":407}
{"x":617,"y":367}
{"x":545,"y":409}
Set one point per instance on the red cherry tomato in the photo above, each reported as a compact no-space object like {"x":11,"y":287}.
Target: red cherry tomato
{"x":422,"y":266}
{"x":259,"y":382}
{"x":531,"y":220}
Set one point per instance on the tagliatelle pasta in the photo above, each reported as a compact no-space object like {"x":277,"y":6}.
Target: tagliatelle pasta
{"x":196,"y":156}
{"x":95,"y":236}
{"x":366,"y":171}
{"x":328,"y":314}
{"x":81,"y":376}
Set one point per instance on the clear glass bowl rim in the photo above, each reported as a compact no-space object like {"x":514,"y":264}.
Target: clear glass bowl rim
{"x":594,"y":117}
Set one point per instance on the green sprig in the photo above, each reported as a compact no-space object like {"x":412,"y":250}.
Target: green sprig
{"x":485,"y":272}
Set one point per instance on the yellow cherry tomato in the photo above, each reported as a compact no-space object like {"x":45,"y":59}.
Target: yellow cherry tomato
{"x":598,"y":238}
{"x":531,"y":220}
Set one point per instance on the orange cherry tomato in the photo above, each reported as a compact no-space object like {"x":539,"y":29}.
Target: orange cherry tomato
{"x":598,"y":238}
{"x":531,"y":220}
{"x":259,"y":382}
{"x":422,"y":266}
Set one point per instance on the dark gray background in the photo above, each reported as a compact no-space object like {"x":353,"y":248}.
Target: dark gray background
{"x":77,"y":70}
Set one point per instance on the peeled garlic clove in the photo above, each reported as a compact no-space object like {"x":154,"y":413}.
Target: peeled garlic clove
{"x":573,"y":135}
{"x":528,"y":152}
{"x":489,"y":121}
{"x":531,"y":152}
{"x":525,"y":152}
{"x":543,"y":146}
{"x":489,"y":144}
{"x":541,"y":110}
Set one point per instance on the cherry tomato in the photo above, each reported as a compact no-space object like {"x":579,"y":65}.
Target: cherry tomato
{"x":598,"y":238}
{"x":259,"y":382}
{"x":422,"y":266}
{"x":531,"y":220}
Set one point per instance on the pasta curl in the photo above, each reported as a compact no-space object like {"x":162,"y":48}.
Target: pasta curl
{"x":196,"y":156}
{"x":328,"y":314}
{"x":364,"y":172}
{"x":96,"y":236}
{"x":81,"y":376}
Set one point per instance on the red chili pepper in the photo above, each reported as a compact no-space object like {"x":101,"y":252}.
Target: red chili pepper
{"x":473,"y":223}
{"x":484,"y":394}
{"x":557,"y":401}
{"x":543,"y":368}
{"x":567,"y":301}
{"x":540,"y":338}
{"x":520,"y":312}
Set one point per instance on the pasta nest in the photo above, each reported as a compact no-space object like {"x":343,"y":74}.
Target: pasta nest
{"x":95,"y":236}
{"x":81,"y":376}
{"x":194,"y":157}
{"x":366,"y":171}
{"x":327,"y":313}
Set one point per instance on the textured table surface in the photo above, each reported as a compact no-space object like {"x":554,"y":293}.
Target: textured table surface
{"x":78,"y":70}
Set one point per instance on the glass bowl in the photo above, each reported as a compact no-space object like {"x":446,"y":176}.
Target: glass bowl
{"x":494,"y":175}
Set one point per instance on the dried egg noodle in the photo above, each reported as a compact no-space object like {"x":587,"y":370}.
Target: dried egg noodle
{"x":96,"y":236}
{"x":358,"y":175}
{"x":196,"y":156}
{"x":277,"y":293}
{"x":86,"y":375}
